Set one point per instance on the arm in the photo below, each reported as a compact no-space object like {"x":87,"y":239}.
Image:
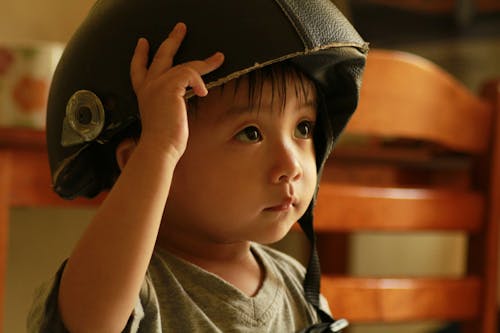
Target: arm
{"x":101,"y":282}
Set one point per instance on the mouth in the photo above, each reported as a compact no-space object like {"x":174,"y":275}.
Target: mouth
{"x":284,"y":206}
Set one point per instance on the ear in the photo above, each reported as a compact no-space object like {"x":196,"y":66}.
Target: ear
{"x":124,"y":150}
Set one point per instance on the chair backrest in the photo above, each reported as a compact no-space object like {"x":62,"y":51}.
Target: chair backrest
{"x":422,"y":153}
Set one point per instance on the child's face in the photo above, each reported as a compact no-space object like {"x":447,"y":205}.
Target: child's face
{"x":248,"y":173}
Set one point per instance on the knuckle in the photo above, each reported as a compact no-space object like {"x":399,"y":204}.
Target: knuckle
{"x":186,"y":70}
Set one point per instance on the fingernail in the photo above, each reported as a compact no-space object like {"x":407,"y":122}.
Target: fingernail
{"x":139,"y":41}
{"x":178,"y":28}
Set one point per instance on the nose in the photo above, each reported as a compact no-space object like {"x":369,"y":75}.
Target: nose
{"x":286,"y":165}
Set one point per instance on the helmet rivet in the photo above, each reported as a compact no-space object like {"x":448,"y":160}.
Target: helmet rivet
{"x":84,"y":119}
{"x":84,"y":115}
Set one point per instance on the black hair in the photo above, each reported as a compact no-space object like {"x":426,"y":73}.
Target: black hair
{"x":278,"y":74}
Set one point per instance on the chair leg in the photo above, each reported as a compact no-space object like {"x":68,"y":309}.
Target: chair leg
{"x":4,"y":223}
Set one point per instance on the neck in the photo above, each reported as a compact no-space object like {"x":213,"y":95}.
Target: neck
{"x":233,"y":262}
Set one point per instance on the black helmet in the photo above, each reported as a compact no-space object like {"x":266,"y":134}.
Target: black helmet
{"x":92,"y":105}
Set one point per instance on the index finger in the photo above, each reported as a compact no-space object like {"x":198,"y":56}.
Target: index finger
{"x":164,"y":56}
{"x":138,"y":69}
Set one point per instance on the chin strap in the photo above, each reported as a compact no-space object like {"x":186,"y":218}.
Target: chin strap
{"x":312,"y":282}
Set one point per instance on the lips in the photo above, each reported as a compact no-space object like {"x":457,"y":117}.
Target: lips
{"x":285,"y":205}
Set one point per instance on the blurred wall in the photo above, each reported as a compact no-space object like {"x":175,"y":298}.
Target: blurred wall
{"x":39,"y":239}
{"x":53,"y":20}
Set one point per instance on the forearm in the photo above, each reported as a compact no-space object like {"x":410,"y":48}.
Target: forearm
{"x":101,"y":282}
{"x":103,"y":276}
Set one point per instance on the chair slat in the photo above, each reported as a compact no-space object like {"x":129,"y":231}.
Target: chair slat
{"x":386,"y":109}
{"x":402,"y":299}
{"x":396,"y":209}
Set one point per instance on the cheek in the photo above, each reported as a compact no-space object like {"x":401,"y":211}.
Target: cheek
{"x":311,"y":165}
{"x":310,"y":175}
{"x":211,"y":176}
{"x":312,"y":179}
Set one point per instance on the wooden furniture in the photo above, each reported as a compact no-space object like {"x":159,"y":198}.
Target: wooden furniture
{"x":24,"y":182}
{"x":422,"y":153}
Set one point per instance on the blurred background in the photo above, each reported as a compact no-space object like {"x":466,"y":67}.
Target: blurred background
{"x":39,"y":239}
{"x":461,"y":36}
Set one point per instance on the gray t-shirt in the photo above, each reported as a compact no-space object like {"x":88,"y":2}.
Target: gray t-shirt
{"x":177,"y":296}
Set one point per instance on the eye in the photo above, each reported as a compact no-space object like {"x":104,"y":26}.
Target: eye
{"x":249,"y":134}
{"x":304,"y":129}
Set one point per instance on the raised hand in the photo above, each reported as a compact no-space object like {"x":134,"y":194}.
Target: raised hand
{"x":162,"y":87}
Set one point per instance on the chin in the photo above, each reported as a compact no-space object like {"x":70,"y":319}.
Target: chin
{"x":273,"y":236}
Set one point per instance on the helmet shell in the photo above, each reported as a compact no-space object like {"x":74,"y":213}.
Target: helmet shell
{"x":313,"y":34}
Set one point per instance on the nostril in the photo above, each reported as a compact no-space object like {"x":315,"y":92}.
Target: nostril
{"x":283,"y":179}
{"x":290,"y":175}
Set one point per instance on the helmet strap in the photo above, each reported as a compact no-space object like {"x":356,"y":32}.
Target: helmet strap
{"x":313,"y":277}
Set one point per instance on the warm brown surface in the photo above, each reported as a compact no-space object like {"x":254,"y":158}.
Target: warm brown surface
{"x":403,"y":100}
{"x":366,"y":300}
{"x":422,"y":154}
{"x":359,"y":207}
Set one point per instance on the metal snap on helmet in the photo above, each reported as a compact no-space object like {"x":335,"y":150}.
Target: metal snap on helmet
{"x":92,"y":104}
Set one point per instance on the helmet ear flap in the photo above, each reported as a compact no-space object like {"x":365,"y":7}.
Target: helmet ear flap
{"x":84,"y":119}
{"x":80,"y":180}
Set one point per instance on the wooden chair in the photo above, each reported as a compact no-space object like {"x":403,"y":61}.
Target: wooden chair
{"x":422,"y":153}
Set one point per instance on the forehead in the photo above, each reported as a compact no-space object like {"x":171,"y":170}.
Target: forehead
{"x":269,"y":88}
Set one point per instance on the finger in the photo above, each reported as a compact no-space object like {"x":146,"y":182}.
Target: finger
{"x":192,"y":72}
{"x":138,"y":64}
{"x":164,"y":56}
{"x":208,"y":65}
{"x":212,"y":63}
{"x":198,"y":86}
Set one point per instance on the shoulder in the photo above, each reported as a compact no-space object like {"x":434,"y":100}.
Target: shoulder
{"x":43,"y":315}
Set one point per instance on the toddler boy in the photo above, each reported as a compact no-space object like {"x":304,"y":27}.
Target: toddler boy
{"x":203,"y":171}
